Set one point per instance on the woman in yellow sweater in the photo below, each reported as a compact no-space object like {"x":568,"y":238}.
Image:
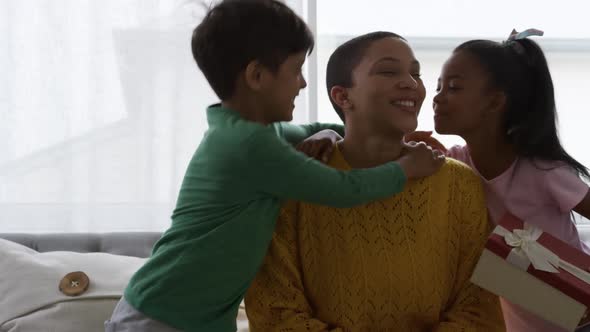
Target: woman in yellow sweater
{"x":399,"y":264}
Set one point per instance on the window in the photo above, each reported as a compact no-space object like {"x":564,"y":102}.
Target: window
{"x":102,"y":106}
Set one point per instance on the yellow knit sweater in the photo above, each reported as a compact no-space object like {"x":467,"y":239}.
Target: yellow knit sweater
{"x":400,"y":264}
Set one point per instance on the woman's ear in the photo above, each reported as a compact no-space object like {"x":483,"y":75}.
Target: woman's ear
{"x":339,"y":96}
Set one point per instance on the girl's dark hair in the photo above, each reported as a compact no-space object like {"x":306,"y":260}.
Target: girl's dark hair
{"x":519,"y":69}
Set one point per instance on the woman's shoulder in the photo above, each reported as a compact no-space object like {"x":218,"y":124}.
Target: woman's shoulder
{"x":457,"y":170}
{"x":453,"y":175}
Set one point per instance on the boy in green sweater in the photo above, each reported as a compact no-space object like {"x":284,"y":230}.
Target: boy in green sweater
{"x":251,"y":52}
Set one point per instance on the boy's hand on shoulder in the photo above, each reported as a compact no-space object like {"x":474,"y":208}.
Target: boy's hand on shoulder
{"x":320,"y":146}
{"x":420,"y":160}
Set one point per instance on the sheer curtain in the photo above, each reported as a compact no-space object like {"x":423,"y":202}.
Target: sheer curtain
{"x":101,"y":108}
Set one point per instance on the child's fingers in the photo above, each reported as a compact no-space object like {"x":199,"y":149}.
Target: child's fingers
{"x":438,"y":154}
{"x":423,"y":134}
{"x":319,"y":149}
{"x":418,"y":136}
{"x":435,"y":144}
{"x":316,"y":150}
{"x":326,"y":152}
{"x":300,"y":146}
{"x":305,"y":148}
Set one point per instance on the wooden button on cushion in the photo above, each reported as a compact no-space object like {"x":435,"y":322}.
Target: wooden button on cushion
{"x":74,"y":283}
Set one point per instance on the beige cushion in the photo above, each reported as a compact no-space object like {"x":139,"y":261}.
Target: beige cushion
{"x":77,"y":315}
{"x":31,"y":301}
{"x":29,"y":294}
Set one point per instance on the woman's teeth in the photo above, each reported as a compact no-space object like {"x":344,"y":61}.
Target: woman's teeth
{"x":406,"y":103}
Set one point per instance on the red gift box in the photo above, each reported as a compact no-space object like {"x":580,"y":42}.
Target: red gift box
{"x":536,"y":271}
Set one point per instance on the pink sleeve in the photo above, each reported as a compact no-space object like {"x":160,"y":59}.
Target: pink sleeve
{"x":565,"y":187}
{"x":459,"y":152}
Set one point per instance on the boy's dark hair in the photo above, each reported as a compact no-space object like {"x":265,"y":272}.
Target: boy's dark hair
{"x":236,"y":32}
{"x":345,"y":59}
{"x":519,"y":69}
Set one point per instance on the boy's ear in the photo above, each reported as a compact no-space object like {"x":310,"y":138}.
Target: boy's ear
{"x":254,"y":75}
{"x":339,"y":96}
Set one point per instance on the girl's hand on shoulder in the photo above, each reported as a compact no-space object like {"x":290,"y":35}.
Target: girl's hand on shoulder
{"x":426,"y":137}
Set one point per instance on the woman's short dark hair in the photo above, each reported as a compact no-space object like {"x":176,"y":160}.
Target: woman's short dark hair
{"x":345,"y":59}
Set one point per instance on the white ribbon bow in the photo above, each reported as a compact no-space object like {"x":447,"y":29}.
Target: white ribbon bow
{"x":515,"y":35}
{"x":524,"y":242}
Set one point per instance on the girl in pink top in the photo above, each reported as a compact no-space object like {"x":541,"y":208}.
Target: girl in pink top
{"x":499,"y":98}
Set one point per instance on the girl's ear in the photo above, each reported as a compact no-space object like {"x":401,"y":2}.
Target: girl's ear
{"x":498,"y":102}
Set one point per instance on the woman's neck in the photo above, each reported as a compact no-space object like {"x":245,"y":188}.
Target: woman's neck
{"x":365,"y":151}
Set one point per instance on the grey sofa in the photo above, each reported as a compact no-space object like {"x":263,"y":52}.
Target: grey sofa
{"x":138,"y":244}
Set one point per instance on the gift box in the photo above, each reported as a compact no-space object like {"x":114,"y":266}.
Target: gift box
{"x":536,"y":271}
